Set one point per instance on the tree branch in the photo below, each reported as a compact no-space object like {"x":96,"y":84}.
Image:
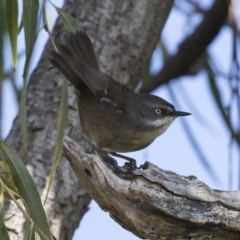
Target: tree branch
{"x":191,"y":48}
{"x":157,"y":204}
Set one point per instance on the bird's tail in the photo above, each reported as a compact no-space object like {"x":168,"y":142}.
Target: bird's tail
{"x":78,"y":50}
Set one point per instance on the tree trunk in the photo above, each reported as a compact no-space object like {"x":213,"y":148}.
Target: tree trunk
{"x":124,"y":35}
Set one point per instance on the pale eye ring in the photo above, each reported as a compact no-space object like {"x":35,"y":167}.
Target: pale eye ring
{"x":158,"y":111}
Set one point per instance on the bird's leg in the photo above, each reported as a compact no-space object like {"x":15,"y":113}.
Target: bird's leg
{"x":108,"y":159}
{"x":132,"y":162}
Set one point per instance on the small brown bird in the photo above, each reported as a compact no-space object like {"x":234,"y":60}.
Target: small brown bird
{"x":112,"y":117}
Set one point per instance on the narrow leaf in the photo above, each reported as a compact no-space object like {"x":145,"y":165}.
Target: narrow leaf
{"x":27,"y":189}
{"x":61,"y":128}
{"x":25,"y":214}
{"x":3,"y":230}
{"x":23,"y":114}
{"x":30,"y":16}
{"x":1,"y":212}
{"x":5,"y":166}
{"x":46,"y":26}
{"x":30,"y":235}
{"x":2,"y":31}
{"x":12,"y":22}
{"x":69,"y":22}
{"x":20,"y":25}
{"x":11,"y":187}
{"x":45,"y":22}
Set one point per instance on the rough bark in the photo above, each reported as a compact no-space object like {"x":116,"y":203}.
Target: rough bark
{"x":157,"y":204}
{"x":124,"y":34}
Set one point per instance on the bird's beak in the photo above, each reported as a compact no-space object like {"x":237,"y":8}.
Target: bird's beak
{"x":179,"y":114}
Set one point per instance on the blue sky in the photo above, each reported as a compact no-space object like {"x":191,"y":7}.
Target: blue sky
{"x":171,"y":151}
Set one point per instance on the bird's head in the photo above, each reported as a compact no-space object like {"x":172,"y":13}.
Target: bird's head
{"x":158,"y":113}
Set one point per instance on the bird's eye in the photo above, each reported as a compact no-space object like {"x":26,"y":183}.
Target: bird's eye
{"x":157,"y":110}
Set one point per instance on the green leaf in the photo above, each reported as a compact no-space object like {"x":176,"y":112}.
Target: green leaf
{"x":3,"y":230}
{"x":45,"y":22}
{"x":7,"y":169}
{"x":69,"y":22}
{"x":30,"y":17}
{"x":20,"y":25}
{"x":27,"y":190}
{"x":2,"y":31}
{"x":30,"y":14}
{"x":23,"y":114}
{"x":30,"y":235}
{"x":1,"y":212}
{"x":4,"y":165}
{"x":61,"y":128}
{"x":12,"y":22}
{"x":46,"y":26}
{"x":11,"y":187}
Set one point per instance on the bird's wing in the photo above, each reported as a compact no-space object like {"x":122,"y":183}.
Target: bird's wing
{"x":102,"y":86}
{"x":77,"y":61}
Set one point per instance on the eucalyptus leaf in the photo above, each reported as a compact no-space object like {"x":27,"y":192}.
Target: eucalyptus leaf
{"x":11,"y":187}
{"x":69,"y":22}
{"x":30,"y":16}
{"x":2,"y":31}
{"x":12,"y":22}
{"x":4,"y":166}
{"x":30,"y":234}
{"x":61,"y":128}
{"x":3,"y":230}
{"x":27,"y":189}
{"x":23,"y":114}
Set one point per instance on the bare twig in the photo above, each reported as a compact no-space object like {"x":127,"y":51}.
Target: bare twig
{"x":191,"y":48}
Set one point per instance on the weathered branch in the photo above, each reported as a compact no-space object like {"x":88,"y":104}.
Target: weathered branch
{"x":191,"y":48}
{"x":157,"y":204}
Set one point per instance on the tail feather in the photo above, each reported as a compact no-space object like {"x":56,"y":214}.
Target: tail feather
{"x":81,"y":47}
{"x":77,"y":51}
